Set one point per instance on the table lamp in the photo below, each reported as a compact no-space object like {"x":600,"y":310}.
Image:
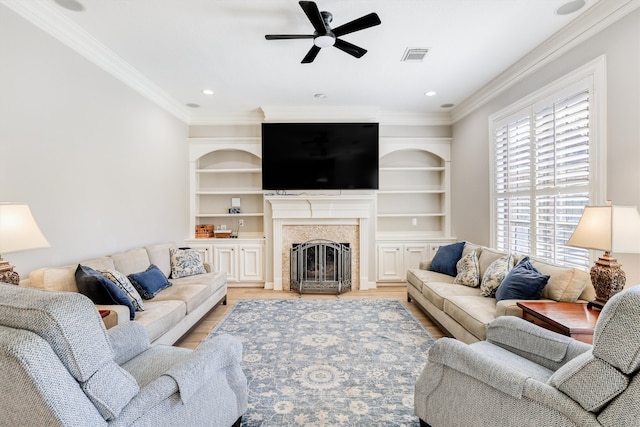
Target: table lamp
{"x":609,"y":229}
{"x":18,"y":232}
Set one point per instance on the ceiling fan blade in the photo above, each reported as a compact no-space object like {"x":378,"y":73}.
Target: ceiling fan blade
{"x":311,"y":55}
{"x":370,"y":20}
{"x":349,"y":48}
{"x":311,"y":10}
{"x":288,"y":36}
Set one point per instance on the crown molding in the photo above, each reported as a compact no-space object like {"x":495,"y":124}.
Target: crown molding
{"x":220,"y":119}
{"x":598,"y":17}
{"x":44,"y":15}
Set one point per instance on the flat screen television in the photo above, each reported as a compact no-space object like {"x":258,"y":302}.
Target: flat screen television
{"x":320,"y":156}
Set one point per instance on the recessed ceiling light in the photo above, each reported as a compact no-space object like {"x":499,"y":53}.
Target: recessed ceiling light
{"x":320,"y":96}
{"x":207,"y":91}
{"x":447,"y":105}
{"x":430,"y":93}
{"x":73,"y":5}
{"x":569,"y":8}
{"x":192,"y":105}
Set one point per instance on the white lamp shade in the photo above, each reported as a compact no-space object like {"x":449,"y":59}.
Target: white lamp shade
{"x":18,"y":229}
{"x":608,"y":228}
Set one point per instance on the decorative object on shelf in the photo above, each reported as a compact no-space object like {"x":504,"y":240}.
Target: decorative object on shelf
{"x":222,"y":234}
{"x":18,"y":232}
{"x":234,"y":210}
{"x":609,"y":229}
{"x":204,"y":231}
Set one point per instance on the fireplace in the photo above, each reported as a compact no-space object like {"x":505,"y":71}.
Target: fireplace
{"x":302,"y":218}
{"x":320,"y":266}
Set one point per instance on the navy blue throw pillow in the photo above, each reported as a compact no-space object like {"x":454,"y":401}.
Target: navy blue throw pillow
{"x":523,"y":282}
{"x":149,"y":282}
{"x":445,"y":260}
{"x":100,"y":289}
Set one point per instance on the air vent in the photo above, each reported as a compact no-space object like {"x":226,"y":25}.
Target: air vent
{"x":413,"y":54}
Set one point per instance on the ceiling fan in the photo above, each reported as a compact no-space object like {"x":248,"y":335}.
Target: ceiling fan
{"x":325,"y":36}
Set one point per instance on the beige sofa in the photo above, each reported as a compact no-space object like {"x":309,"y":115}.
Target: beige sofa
{"x":167,"y":316}
{"x":462,"y":312}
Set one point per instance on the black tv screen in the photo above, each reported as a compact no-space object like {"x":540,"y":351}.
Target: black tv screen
{"x":320,"y":156}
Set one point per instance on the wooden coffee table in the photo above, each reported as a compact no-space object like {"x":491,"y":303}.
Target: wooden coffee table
{"x":572,"y":319}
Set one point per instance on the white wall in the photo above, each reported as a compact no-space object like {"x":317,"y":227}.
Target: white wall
{"x":470,"y":149}
{"x":102,"y":168}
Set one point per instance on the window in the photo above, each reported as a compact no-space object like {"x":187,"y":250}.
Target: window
{"x":544,"y":173}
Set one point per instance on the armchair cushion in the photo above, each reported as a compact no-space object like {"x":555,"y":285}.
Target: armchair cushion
{"x":589,"y":381}
{"x":110,"y":389}
{"x":128,"y":340}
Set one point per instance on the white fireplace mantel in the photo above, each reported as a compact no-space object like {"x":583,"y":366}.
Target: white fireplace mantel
{"x":325,"y":210}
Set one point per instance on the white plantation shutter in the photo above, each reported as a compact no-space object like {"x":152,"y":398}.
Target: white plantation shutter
{"x":542,"y":177}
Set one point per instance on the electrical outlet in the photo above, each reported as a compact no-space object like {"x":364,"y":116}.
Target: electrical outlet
{"x":241,"y":222}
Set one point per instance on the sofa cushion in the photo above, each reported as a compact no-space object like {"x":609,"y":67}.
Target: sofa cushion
{"x":523,"y":282}
{"x":192,"y":294}
{"x":418,"y":277}
{"x":159,"y":317}
{"x":121,"y":281}
{"x":468,"y":270}
{"x":149,"y":282}
{"x":446,"y":258}
{"x":100,"y":289}
{"x":487,"y":257}
{"x":131,"y":261}
{"x":185,"y":262}
{"x":495,"y":274}
{"x":589,"y":381}
{"x":473,"y":313}
{"x":565,"y":283}
{"x":63,"y":278}
{"x":437,"y":292}
{"x":159,"y":255}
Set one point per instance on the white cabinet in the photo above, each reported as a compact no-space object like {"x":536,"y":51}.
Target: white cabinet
{"x":243,"y":262}
{"x":395,"y":258}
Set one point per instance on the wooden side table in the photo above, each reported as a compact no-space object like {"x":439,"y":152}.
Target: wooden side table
{"x":572,"y":319}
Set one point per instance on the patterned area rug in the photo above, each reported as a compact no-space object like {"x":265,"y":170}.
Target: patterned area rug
{"x":328,"y":362}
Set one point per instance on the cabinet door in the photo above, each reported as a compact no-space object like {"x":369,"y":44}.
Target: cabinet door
{"x":205,"y":253}
{"x":226,"y":259}
{"x":251,"y":265}
{"x":390,"y":263}
{"x":413,"y":254}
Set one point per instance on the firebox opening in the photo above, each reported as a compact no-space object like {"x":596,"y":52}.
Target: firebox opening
{"x":321,"y":266}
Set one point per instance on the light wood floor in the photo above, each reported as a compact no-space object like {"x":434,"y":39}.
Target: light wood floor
{"x":202,"y":329}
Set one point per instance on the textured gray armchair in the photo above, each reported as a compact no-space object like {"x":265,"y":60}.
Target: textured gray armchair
{"x":59,"y":366}
{"x":523,"y":375}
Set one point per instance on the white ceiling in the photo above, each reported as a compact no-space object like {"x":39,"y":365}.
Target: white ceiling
{"x":183,"y":46}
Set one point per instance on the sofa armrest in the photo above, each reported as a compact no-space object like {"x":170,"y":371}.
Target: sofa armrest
{"x":127,"y":341}
{"x":207,"y":267}
{"x":533,"y":342}
{"x":464,"y":359}
{"x":209,"y":357}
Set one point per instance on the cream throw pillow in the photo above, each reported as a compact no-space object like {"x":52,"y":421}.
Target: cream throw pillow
{"x":468,"y":270}
{"x":495,"y":274}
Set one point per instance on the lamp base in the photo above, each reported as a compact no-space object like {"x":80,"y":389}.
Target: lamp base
{"x":607,"y":278}
{"x":7,"y":275}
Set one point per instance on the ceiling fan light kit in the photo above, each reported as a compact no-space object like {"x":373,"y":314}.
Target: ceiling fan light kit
{"x":325,"y":36}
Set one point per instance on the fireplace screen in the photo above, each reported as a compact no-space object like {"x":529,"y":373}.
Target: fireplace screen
{"x":321,"y":266}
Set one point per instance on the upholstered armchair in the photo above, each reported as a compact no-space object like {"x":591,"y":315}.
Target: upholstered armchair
{"x":523,"y":375}
{"x":59,"y":366}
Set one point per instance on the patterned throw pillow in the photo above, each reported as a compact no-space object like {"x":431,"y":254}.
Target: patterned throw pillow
{"x":468,"y":270}
{"x":123,"y":283}
{"x":495,"y":274}
{"x":185,"y":262}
